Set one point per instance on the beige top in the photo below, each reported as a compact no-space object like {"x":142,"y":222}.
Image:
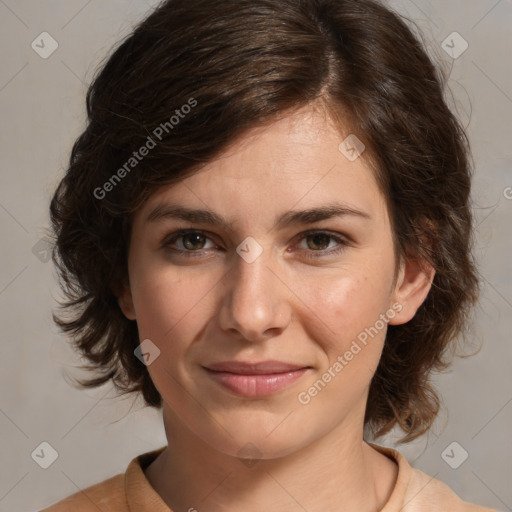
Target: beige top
{"x":131,"y":491}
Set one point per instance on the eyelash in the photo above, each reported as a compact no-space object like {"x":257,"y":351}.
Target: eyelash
{"x":343,"y":242}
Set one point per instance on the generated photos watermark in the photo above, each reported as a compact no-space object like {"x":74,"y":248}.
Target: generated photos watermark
{"x":139,"y":155}
{"x":304,"y":397}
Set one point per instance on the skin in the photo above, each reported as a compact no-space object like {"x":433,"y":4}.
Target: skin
{"x":284,"y":306}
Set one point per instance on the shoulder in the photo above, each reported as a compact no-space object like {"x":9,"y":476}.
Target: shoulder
{"x":118,"y":493}
{"x":426,"y":493}
{"x":416,"y":491}
{"x":107,"y":495}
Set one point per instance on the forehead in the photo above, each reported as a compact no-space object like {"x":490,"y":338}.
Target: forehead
{"x":295,"y":160}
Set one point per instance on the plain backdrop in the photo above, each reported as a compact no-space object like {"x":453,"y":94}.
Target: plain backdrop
{"x":96,"y":435}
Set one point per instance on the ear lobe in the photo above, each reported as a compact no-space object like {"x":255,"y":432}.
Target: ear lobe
{"x":413,"y":285}
{"x":125,"y":301}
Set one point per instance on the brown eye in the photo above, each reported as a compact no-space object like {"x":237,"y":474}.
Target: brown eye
{"x":315,"y":244}
{"x":190,"y":242}
{"x":320,"y":241}
{"x":193,"y":241}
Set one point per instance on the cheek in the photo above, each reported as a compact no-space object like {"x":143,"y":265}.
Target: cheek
{"x":168,"y":305}
{"x":342,"y":307}
{"x":170,"y":310}
{"x":350,"y":333}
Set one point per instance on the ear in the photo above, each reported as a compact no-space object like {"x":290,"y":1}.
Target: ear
{"x":125,"y":300}
{"x":413,"y":284}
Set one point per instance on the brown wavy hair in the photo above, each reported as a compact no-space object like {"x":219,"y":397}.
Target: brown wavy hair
{"x":244,"y":63}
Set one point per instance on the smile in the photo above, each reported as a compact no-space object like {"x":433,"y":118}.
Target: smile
{"x":255,"y":384}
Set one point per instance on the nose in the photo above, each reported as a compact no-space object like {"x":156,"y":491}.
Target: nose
{"x":255,"y":302}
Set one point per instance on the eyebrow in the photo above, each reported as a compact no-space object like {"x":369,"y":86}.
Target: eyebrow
{"x":293,"y":217}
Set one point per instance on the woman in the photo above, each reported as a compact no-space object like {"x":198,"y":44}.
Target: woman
{"x":265,"y":230}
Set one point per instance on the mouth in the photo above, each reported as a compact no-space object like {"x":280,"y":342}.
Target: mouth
{"x":255,"y":379}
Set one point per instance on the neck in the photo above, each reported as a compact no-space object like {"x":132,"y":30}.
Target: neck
{"x":337,"y":472}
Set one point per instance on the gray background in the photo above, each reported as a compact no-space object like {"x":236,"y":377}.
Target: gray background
{"x":95,"y":435}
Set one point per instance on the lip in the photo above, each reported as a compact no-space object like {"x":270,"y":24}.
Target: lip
{"x":255,"y":379}
{"x":254,"y":368}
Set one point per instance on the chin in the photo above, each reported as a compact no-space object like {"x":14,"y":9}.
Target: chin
{"x":257,"y":439}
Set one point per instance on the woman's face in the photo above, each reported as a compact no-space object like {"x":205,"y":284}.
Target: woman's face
{"x":251,"y":285}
